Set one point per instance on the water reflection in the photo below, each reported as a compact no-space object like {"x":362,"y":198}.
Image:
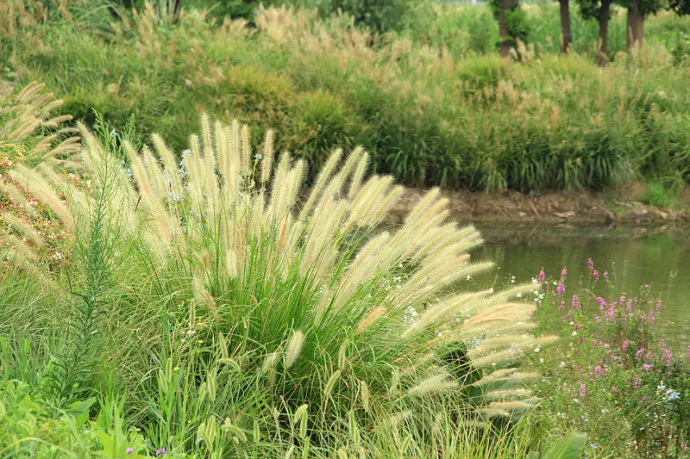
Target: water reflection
{"x":633,"y":257}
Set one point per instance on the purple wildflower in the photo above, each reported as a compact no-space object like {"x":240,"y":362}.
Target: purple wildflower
{"x":161,"y":452}
{"x":129,"y":450}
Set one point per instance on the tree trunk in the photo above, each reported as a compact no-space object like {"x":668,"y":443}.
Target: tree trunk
{"x":566,"y":37}
{"x":503,"y":34}
{"x":635,"y":26}
{"x":604,"y":30}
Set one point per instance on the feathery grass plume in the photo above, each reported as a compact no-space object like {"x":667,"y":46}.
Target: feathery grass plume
{"x":22,"y":227}
{"x":301,"y":283}
{"x":11,"y":192}
{"x":23,"y":114}
{"x":267,"y":157}
{"x":34,"y":183}
{"x":294,"y":346}
{"x":441,"y":382}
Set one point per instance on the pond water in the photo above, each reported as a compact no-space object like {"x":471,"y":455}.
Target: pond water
{"x":633,"y":256}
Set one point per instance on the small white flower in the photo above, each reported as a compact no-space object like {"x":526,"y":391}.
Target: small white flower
{"x":574,"y":333}
{"x":537,"y":349}
{"x":519,"y":295}
{"x":469,"y":277}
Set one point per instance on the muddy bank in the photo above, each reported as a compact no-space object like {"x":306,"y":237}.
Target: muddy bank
{"x":619,"y":207}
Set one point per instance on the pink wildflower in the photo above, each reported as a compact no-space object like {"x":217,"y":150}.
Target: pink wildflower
{"x":595,"y":273}
{"x":639,"y":353}
{"x":575,"y":304}
{"x":597,"y":371}
{"x":606,"y":274}
{"x":564,"y":274}
{"x":624,"y":346}
{"x":590,"y":264}
{"x":582,"y":389}
{"x":647,"y":366}
{"x":560,"y":289}
{"x":614,"y":389}
{"x":611,"y":312}
{"x":542,"y":275}
{"x":638,"y":383}
{"x":602,"y":303}
{"x":576,"y":326}
{"x":562,"y":305}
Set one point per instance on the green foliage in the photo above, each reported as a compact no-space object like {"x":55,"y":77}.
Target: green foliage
{"x":662,"y":194}
{"x":426,"y":116}
{"x":29,"y":427}
{"x":680,"y":7}
{"x":572,"y":446}
{"x":95,"y":244}
{"x":378,"y":15}
{"x":518,"y":29}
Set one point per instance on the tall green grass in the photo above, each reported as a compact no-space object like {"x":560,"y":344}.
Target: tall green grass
{"x":427,"y":115}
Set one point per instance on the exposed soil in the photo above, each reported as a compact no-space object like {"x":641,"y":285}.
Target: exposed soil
{"x":616,"y":206}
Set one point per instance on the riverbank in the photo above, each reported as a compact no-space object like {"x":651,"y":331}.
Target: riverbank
{"x":585,"y":207}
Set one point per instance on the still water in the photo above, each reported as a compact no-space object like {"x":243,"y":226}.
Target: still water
{"x":633,"y":257}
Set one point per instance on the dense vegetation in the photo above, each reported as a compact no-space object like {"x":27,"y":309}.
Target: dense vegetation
{"x":431,"y":103}
{"x":170,"y":287}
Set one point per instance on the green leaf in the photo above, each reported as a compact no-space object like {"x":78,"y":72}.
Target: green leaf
{"x":569,"y":447}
